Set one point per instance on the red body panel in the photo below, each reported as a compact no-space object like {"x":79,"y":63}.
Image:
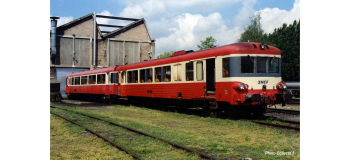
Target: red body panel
{"x":196,"y":90}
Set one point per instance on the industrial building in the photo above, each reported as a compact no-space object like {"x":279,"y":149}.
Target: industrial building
{"x":81,"y":45}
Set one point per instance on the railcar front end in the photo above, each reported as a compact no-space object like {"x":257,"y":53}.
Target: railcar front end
{"x":251,"y":79}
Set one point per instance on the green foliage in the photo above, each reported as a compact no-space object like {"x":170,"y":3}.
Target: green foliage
{"x":208,"y":43}
{"x":285,"y":38}
{"x":253,"y":33}
{"x":166,"y":54}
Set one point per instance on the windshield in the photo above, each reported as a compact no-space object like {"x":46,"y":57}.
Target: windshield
{"x":248,"y":66}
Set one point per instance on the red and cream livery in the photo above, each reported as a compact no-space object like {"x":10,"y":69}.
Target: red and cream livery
{"x":240,"y":74}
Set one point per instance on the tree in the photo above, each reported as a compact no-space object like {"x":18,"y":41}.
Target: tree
{"x":208,"y":43}
{"x":253,"y":33}
{"x":285,"y":38}
{"x":166,"y":54}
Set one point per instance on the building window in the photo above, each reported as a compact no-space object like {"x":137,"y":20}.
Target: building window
{"x":149,"y":74}
{"x":92,"y":79}
{"x":199,"y":71}
{"x":83,"y":80}
{"x":101,"y":79}
{"x":76,"y":80}
{"x":274,"y":65}
{"x":167,"y":74}
{"x":247,"y":64}
{"x":226,"y":67}
{"x":177,"y":72}
{"x":158,"y":74}
{"x":143,"y":76}
{"x":114,"y":78}
{"x":189,"y":71}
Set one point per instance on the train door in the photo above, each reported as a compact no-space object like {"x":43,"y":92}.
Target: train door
{"x":210,"y":75}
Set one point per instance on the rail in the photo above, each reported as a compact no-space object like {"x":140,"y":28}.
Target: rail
{"x":145,"y":134}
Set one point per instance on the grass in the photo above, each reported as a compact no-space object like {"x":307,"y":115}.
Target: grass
{"x":145,"y":147}
{"x":223,"y":138}
{"x":68,"y":141}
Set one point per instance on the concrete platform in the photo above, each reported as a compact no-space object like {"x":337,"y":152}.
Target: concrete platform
{"x":69,"y":101}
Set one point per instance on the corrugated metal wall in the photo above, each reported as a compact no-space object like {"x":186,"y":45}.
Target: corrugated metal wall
{"x":61,"y":74}
{"x":82,"y":52}
{"x":115,"y":53}
{"x":132,"y":50}
{"x":65,"y":50}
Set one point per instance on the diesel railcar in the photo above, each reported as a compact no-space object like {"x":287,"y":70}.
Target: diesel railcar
{"x":244,"y":75}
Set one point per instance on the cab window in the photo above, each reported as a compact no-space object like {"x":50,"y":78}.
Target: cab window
{"x":274,"y":65}
{"x":247,"y":64}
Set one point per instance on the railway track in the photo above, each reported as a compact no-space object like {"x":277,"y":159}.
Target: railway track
{"x":203,"y":155}
{"x":276,"y":125}
{"x":294,"y":112}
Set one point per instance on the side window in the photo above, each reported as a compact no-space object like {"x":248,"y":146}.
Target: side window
{"x":76,"y":80}
{"x":83,"y":80}
{"x":123,"y":79}
{"x":129,"y":73}
{"x":149,"y":74}
{"x":199,"y":71}
{"x":189,"y":71}
{"x":247,"y":64}
{"x":143,"y":76}
{"x":158,"y":74}
{"x":114,"y":77}
{"x":226,"y":67}
{"x":177,"y":72}
{"x":135,"y":76}
{"x":167,"y":74}
{"x":92,"y":79}
{"x":71,"y":81}
{"x":101,"y":79}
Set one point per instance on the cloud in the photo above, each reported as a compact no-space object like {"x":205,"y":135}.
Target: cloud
{"x":64,"y":20}
{"x":272,"y":18}
{"x":174,"y":28}
{"x":191,"y":28}
{"x":243,"y":17}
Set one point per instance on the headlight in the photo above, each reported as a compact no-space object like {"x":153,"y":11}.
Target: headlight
{"x":241,"y":86}
{"x":280,"y":86}
{"x":284,"y":86}
{"x":246,"y":86}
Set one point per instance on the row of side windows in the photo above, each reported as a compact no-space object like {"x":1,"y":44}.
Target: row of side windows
{"x":165,"y":74}
{"x":85,"y":80}
{"x":161,"y":74}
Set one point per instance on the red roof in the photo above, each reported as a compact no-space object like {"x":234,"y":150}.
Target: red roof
{"x":236,"y":48}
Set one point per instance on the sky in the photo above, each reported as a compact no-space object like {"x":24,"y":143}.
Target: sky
{"x":181,"y":25}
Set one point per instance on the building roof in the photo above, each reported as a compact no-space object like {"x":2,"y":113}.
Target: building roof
{"x":113,"y":33}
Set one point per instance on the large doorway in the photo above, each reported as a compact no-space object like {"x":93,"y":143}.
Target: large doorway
{"x":210,"y":75}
